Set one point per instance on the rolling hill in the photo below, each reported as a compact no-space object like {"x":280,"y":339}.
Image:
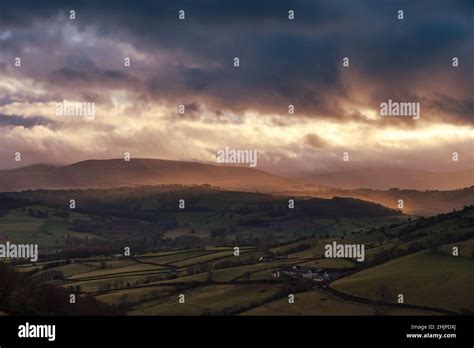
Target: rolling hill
{"x":415,"y":202}
{"x":117,"y":172}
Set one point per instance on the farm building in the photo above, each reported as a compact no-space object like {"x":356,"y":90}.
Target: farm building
{"x":299,"y":272}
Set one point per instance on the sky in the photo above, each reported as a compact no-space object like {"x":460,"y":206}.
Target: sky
{"x":282,"y":62}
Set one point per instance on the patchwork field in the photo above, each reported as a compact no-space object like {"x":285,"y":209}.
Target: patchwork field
{"x":192,"y":253}
{"x":49,"y":232}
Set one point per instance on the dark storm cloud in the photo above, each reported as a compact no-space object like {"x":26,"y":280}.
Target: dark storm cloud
{"x":78,"y":70}
{"x":315,"y":141}
{"x":192,"y":112}
{"x":282,"y":62}
{"x":23,"y":121}
{"x":104,"y":78}
{"x":463,"y":109}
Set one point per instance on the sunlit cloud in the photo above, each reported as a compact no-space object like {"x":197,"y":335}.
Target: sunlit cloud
{"x":190,"y":64}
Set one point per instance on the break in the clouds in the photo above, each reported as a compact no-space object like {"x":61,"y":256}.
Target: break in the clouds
{"x":282,"y":62}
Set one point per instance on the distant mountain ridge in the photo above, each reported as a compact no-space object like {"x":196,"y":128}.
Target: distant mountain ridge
{"x":136,"y":172}
{"x":115,"y":173}
{"x":386,"y":178}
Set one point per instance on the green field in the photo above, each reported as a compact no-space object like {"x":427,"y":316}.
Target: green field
{"x":200,"y":277}
{"x":424,"y":278}
{"x":75,"y":269}
{"x":209,"y":257}
{"x":319,"y":302}
{"x":232,"y":273}
{"x":213,"y":299}
{"x":329,"y":263}
{"x":134,"y":268}
{"x":175,"y":257}
{"x":465,"y":249}
{"x":131,"y":296}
